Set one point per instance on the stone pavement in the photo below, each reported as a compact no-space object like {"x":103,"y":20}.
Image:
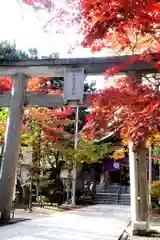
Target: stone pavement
{"x":98,"y":222}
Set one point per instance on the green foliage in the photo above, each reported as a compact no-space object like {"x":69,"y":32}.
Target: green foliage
{"x":9,"y":51}
{"x":57,"y":83}
{"x":156,"y":151}
{"x":155,"y":189}
{"x":48,"y":182}
{"x":51,"y":56}
{"x":91,"y":152}
{"x":3,"y":120}
{"x":3,"y":115}
{"x":33,"y":53}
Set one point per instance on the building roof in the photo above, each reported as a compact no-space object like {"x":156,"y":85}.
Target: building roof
{"x":110,"y":137}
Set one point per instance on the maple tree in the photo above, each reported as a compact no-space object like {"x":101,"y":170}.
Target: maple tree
{"x":48,"y":139}
{"x":129,"y":107}
{"x":120,"y":24}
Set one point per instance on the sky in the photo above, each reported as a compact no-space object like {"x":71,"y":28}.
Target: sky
{"x":21,"y":24}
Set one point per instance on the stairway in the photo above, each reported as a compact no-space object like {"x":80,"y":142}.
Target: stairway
{"x":107,"y":194}
{"x":112,"y":194}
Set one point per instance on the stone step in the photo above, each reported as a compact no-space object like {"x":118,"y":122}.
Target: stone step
{"x":110,"y":198}
{"x":124,"y":199}
{"x":128,"y":190}
{"x":105,"y":198}
{"x":113,"y":194}
{"x":113,"y":188}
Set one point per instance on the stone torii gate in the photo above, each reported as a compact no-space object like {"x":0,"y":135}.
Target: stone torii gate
{"x":19,"y":98}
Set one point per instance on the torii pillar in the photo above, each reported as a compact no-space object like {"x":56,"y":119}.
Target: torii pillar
{"x":12,"y":145}
{"x":139,"y":190}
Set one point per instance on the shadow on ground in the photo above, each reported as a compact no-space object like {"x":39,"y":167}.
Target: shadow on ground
{"x":13,"y":221}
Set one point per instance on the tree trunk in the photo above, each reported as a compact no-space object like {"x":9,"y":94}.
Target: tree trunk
{"x":57,"y":169}
{"x":38,"y":165}
{"x":68,"y":186}
{"x":1,"y":156}
{"x":79,"y":168}
{"x":30,"y":193}
{"x":36,"y":158}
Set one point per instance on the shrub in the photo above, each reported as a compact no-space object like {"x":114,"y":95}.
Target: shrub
{"x":155,"y":189}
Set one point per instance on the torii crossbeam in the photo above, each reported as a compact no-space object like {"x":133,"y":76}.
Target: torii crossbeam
{"x":55,"y":67}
